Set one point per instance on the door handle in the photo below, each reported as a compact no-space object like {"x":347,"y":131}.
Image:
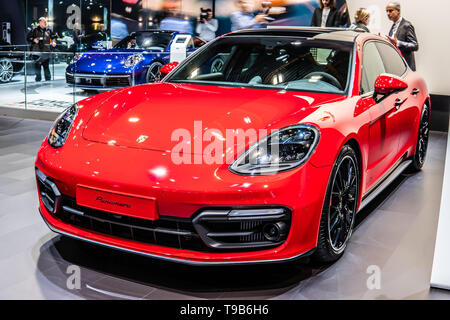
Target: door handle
{"x":398,"y":103}
{"x":415,"y":92}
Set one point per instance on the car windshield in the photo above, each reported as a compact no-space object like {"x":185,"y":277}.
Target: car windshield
{"x":295,"y":64}
{"x":146,"y":40}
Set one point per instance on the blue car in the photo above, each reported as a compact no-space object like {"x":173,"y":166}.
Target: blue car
{"x":136,"y":59}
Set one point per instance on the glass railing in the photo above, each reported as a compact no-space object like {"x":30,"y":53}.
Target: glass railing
{"x":67,"y":77}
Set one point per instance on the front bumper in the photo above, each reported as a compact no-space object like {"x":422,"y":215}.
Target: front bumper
{"x":302,"y":197}
{"x":173,"y":258}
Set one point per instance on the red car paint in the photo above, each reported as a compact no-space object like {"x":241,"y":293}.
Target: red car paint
{"x":102,"y":153}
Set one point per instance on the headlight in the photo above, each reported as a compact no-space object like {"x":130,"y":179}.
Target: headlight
{"x":283,"y":150}
{"x":58,"y":135}
{"x":77,"y":57}
{"x":133,"y":60}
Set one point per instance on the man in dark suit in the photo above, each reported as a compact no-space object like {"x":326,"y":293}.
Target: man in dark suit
{"x":41,"y":39}
{"x":402,"y":34}
{"x":326,"y":15}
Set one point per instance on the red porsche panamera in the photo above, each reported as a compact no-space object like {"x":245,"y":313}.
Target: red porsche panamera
{"x":262,"y":146}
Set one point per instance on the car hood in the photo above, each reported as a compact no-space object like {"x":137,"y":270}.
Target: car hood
{"x":107,"y":61}
{"x":155,"y":116}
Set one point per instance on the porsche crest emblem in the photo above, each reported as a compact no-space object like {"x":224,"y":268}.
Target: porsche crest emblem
{"x":141,"y":139}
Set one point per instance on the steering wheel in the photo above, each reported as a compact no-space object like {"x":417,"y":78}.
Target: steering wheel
{"x":217,"y":65}
{"x":328,"y":76}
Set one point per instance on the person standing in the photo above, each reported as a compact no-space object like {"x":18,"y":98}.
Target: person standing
{"x":343,"y":16}
{"x":207,"y":26}
{"x":402,"y":34}
{"x":41,"y":39}
{"x":362,"y":17}
{"x":326,"y":15}
{"x":244,"y":18}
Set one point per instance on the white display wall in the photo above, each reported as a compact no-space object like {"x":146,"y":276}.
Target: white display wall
{"x":440,"y":277}
{"x":432,"y":23}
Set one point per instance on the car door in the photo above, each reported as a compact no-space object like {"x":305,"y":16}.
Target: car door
{"x":383,"y":131}
{"x":406,"y":113}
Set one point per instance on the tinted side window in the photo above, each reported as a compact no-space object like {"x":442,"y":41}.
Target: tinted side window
{"x":372,"y":67}
{"x":198,"y":42}
{"x":393,"y":63}
{"x":191,"y":44}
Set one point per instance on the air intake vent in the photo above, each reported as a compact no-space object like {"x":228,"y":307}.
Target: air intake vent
{"x":50,"y":195}
{"x":70,"y":78}
{"x":112,"y":81}
{"x":243,"y":228}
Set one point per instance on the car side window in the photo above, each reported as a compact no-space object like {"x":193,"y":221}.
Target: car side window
{"x":190,"y":44}
{"x":198,"y":42}
{"x":393,"y":62}
{"x":372,"y":67}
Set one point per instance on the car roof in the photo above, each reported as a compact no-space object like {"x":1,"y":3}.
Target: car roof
{"x":335,"y":34}
{"x":158,"y":31}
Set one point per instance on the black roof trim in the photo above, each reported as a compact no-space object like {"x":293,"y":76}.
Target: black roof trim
{"x":159,"y":31}
{"x":338,"y":34}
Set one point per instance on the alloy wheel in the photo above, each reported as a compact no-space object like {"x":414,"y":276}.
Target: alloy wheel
{"x":6,"y":70}
{"x":343,"y":201}
{"x":154,"y":72}
{"x":424,"y":132}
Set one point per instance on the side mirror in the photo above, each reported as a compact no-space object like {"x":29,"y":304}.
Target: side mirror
{"x":387,"y":84}
{"x":166,"y":69}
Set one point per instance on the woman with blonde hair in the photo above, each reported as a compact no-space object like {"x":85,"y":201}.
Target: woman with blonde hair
{"x":362,"y":17}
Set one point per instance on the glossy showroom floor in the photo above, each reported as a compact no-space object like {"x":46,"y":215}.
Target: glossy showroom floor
{"x":396,"y":234}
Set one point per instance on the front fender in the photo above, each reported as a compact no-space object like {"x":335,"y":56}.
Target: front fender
{"x":339,"y":124}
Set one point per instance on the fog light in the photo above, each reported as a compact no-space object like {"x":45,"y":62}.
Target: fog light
{"x":275,"y":231}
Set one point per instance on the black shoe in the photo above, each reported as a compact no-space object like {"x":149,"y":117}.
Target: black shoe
{"x":38,"y":80}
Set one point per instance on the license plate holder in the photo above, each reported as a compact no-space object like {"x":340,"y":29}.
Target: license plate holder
{"x":117,"y":203}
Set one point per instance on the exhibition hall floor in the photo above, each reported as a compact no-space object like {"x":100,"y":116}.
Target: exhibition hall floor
{"x":54,"y":95}
{"x":395,"y":234}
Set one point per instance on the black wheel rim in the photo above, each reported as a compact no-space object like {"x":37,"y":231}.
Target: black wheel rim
{"x":424,"y":131}
{"x":343,"y":200}
{"x":6,"y":70}
{"x":154,"y":72}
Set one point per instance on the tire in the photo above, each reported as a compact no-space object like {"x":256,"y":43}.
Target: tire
{"x":339,"y":208}
{"x":154,"y":72}
{"x":419,"y":157}
{"x":6,"y":70}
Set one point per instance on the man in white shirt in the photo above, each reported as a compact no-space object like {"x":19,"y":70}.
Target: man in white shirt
{"x":325,"y":14}
{"x":244,"y":19}
{"x":207,"y":27}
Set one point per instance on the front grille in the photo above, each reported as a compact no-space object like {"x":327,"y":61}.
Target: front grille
{"x":102,"y":81}
{"x":112,"y":81}
{"x":167,"y":231}
{"x":90,"y":82}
